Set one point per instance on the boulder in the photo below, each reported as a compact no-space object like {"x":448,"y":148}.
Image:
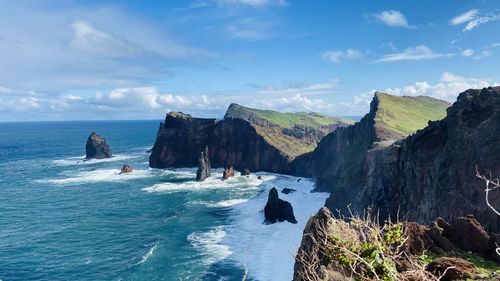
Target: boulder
{"x":468,"y":234}
{"x":422,"y":238}
{"x":203,"y":166}
{"x":126,"y":169}
{"x":97,"y":147}
{"x":245,"y":172}
{"x":228,"y":172}
{"x":287,"y":190}
{"x":277,"y":210}
{"x":458,"y":269}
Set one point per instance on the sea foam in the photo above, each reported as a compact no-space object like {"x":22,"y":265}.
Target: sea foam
{"x":208,"y":244}
{"x":268,"y":251}
{"x":98,"y":175}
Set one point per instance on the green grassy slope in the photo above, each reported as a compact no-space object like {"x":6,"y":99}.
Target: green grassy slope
{"x":274,"y":135}
{"x":406,"y":115}
{"x":285,"y":120}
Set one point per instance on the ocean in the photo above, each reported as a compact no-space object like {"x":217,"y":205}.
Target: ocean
{"x":62,"y":218}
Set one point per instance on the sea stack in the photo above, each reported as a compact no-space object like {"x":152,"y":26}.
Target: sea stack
{"x":126,"y":169}
{"x":203,"y":165}
{"x":97,"y":147}
{"x":278,"y":210}
{"x":228,"y":172}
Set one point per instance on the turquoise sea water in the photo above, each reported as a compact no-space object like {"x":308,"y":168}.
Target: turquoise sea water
{"x":65,"y":219}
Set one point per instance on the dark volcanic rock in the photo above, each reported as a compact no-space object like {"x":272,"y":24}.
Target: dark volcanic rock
{"x":245,"y":172}
{"x":241,"y":139}
{"x":97,"y":147}
{"x":287,"y":190}
{"x":277,"y":210}
{"x":426,"y":175}
{"x":126,"y":169}
{"x":180,"y":140}
{"x":203,"y":171}
{"x":228,"y":172}
{"x":458,"y":269}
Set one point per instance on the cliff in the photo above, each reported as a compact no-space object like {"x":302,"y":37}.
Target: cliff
{"x":338,"y":162}
{"x":258,"y":140}
{"x":432,"y":173}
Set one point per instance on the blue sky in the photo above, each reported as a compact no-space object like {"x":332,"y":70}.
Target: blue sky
{"x":78,"y":60}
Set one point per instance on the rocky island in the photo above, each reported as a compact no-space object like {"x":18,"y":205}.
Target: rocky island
{"x":97,"y":147}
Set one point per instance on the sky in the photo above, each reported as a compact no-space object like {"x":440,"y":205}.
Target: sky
{"x":107,"y":60}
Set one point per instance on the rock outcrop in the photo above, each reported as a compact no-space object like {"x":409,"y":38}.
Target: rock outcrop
{"x":97,"y":148}
{"x":432,"y":173}
{"x":278,"y":210}
{"x":203,"y":171}
{"x":452,"y":268}
{"x":257,"y":140}
{"x":228,"y":172}
{"x":126,"y":169}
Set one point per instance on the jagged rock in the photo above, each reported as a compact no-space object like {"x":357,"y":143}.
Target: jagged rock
{"x":126,"y":169}
{"x":97,"y":147}
{"x":458,"y":269}
{"x":245,"y":137}
{"x":287,"y":190}
{"x":245,"y":172}
{"x":277,"y":210}
{"x":203,"y":171}
{"x":228,"y":172}
{"x":428,"y":174}
{"x":259,"y":177}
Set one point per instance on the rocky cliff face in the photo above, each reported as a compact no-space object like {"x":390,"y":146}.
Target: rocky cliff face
{"x":338,"y":162}
{"x":432,"y":173}
{"x":180,"y":140}
{"x":245,"y":139}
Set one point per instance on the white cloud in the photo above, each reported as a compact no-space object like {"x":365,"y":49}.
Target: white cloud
{"x":467,"y":52}
{"x":87,"y":38}
{"x":300,"y":88}
{"x":417,"y":53}
{"x":472,"y":19}
{"x":251,"y":29}
{"x":465,"y":17}
{"x":446,"y":88}
{"x":393,"y":18}
{"x":337,"y":56}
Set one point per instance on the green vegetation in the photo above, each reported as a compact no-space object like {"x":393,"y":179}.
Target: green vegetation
{"x":374,"y":255}
{"x":271,"y":125}
{"x":285,"y":120}
{"x":406,"y":115}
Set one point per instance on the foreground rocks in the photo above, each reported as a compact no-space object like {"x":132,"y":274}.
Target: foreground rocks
{"x":126,"y":169}
{"x":203,"y":171}
{"x":97,"y":148}
{"x":277,"y":210}
{"x":448,"y":268}
{"x":322,"y":254}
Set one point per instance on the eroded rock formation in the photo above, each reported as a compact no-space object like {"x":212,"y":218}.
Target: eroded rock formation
{"x":228,"y":172}
{"x":97,"y":148}
{"x":126,"y":169}
{"x":203,"y":171}
{"x":278,"y":210}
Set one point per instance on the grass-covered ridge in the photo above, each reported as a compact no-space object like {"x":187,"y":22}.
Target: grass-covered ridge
{"x":405,"y":115}
{"x":284,"y":119}
{"x":284,"y":130}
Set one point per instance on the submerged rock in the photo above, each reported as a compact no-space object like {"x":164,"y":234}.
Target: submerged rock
{"x":277,"y":210}
{"x":287,"y":190}
{"x":203,"y":166}
{"x":245,"y":172}
{"x":97,"y":147}
{"x":126,"y":169}
{"x":228,"y":172}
